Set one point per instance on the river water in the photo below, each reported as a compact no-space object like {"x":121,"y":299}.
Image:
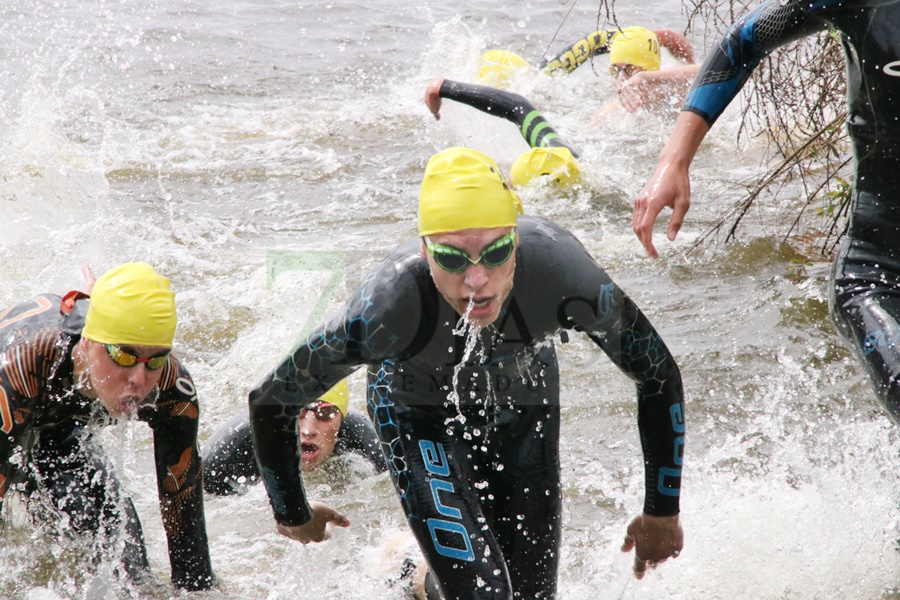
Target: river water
{"x":265,"y":154}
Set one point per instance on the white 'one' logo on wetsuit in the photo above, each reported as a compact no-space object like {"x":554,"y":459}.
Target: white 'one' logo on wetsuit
{"x":892,"y":69}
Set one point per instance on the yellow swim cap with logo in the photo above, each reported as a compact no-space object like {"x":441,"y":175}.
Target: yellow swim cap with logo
{"x":498,"y":67}
{"x":131,"y":304}
{"x":635,"y":46}
{"x":557,"y":163}
{"x":465,"y":189}
{"x":338,"y":395}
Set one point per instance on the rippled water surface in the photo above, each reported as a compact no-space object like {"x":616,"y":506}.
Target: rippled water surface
{"x":261,"y":152}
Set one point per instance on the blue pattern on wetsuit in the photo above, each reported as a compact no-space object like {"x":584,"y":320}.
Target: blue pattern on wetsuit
{"x":501,"y":435}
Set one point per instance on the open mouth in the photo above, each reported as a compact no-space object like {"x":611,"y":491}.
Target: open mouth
{"x":480,"y":302}
{"x":308,"y":449}
{"x":129,"y":405}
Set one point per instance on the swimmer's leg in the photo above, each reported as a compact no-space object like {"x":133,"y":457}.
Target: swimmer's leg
{"x":865,"y":306}
{"x":525,"y":484}
{"x":434,"y":475}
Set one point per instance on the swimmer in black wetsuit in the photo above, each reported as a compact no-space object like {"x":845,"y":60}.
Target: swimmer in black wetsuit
{"x":865,"y":282}
{"x":69,"y":365}
{"x":326,"y":429}
{"x":549,"y":154}
{"x":468,"y":412}
{"x":634,"y":62}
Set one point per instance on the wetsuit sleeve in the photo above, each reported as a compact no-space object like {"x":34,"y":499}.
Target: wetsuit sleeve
{"x":228,"y":461}
{"x":357,"y":436}
{"x":597,"y":306}
{"x":26,"y":354}
{"x":536,"y":130}
{"x":752,"y":38}
{"x":174,"y":420}
{"x":381,"y":320}
{"x":573,"y":56}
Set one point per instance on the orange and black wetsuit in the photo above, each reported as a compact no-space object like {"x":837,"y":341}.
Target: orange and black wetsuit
{"x":47,"y":446}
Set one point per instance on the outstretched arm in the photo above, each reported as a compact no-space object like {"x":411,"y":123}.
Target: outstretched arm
{"x":536,"y":130}
{"x":676,"y":43}
{"x":569,"y":59}
{"x":650,"y":88}
{"x":721,"y":77}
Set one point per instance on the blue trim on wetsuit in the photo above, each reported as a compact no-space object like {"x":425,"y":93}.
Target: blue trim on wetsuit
{"x":501,"y":440}
{"x":865,"y":284}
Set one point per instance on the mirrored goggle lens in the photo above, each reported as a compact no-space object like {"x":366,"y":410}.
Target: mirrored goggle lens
{"x":125,"y":359}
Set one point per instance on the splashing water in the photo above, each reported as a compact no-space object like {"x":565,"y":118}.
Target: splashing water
{"x":471,"y":331}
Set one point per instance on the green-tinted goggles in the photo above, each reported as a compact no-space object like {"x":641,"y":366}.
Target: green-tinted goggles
{"x":126,"y":359}
{"x":455,"y":260}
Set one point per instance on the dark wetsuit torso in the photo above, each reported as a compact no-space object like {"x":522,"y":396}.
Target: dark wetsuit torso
{"x":865,"y":298}
{"x":49,"y":425}
{"x":229,"y":464}
{"x":478,"y":480}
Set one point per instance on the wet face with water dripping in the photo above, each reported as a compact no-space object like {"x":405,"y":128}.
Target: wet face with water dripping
{"x":478,"y":291}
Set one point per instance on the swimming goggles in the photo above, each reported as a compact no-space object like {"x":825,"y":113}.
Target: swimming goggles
{"x":125,"y":359}
{"x":629,"y":70}
{"x":455,"y":260}
{"x":323,"y":411}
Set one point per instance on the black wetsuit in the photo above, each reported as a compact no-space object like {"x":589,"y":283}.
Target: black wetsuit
{"x":478,"y":478}
{"x":865,"y":295}
{"x":573,"y":56}
{"x":516,"y":108}
{"x":48,"y":448}
{"x":229,"y":464}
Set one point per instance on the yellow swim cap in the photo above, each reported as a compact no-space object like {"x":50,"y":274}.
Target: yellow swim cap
{"x":499,"y":66}
{"x":339,"y":395}
{"x":465,"y":189}
{"x":558,"y":163}
{"x":131,"y":304}
{"x":635,"y":46}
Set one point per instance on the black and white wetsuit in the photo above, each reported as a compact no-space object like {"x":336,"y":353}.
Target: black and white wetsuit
{"x":47,"y":445}
{"x":865,"y":286}
{"x":478,"y":476}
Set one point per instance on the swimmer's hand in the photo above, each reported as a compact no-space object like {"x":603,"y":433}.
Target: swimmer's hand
{"x":654,"y":539}
{"x":433,"y":97}
{"x":670,"y":186}
{"x":317,"y":529}
{"x":89,"y":278}
{"x":635,"y":92}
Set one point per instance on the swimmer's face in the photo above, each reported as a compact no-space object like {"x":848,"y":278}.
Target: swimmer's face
{"x":121,"y":390}
{"x":319,"y":424}
{"x":487,"y":287}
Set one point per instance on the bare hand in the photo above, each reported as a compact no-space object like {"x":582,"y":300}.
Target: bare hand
{"x":317,"y":529}
{"x":633,"y":92}
{"x":654,"y":539}
{"x":89,"y":278}
{"x":433,"y":97}
{"x":670,"y":185}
